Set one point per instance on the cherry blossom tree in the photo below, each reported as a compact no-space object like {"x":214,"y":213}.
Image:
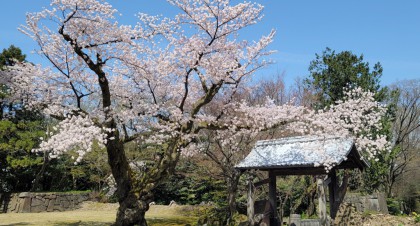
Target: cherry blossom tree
{"x":115,"y":83}
{"x":160,"y":82}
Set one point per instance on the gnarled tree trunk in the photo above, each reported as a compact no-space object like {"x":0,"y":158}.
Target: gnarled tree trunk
{"x":131,"y":211}
{"x":135,"y":194}
{"x":133,"y":205}
{"x":233,"y":182}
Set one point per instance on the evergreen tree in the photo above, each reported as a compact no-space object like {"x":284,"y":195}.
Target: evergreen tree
{"x":331,"y":72}
{"x":20,"y":131}
{"x":10,"y":55}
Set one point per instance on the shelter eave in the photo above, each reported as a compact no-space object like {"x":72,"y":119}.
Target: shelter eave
{"x":289,"y":170}
{"x":354,"y":160}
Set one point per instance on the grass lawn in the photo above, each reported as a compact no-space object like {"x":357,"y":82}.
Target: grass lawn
{"x":102,"y":214}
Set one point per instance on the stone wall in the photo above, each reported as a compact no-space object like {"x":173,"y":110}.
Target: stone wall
{"x":356,"y":207}
{"x":367,"y":203}
{"x":28,"y":202}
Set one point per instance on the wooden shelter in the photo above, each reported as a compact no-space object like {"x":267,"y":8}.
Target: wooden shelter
{"x":303,"y":155}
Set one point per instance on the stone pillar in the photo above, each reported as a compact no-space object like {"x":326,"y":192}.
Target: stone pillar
{"x":250,"y":202}
{"x":294,"y":219}
{"x":322,"y":207}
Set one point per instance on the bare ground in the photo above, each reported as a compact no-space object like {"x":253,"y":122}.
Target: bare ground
{"x":348,"y":216}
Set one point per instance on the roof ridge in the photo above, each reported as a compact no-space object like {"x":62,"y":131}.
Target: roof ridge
{"x":287,"y":140}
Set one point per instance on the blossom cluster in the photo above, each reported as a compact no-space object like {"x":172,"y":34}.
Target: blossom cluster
{"x":75,"y":133}
{"x":166,"y":78}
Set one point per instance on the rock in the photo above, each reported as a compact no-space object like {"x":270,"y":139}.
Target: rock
{"x":65,"y":204}
{"x":24,"y":194}
{"x":50,"y":206}
{"x":172,"y":203}
{"x":37,"y":202}
{"x":26,"y":206}
{"x":50,"y":196}
{"x":152,"y":203}
{"x":26,"y":202}
{"x":58,"y":207}
{"x":83,"y":198}
{"x":38,"y":209}
{"x":13,"y":204}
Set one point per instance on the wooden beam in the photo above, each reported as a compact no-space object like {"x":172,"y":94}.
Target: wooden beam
{"x":332,"y":187}
{"x":327,"y":181}
{"x":272,"y":197}
{"x":299,"y":171}
{"x":261,"y":182}
{"x":348,"y":164}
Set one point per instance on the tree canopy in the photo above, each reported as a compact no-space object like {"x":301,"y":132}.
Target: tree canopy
{"x":11,"y":55}
{"x":331,"y":72}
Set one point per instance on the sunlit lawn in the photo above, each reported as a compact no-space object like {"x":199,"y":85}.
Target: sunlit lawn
{"x":157,"y":215}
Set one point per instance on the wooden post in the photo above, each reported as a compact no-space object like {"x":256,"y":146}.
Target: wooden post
{"x":333,"y":186}
{"x":250,"y":202}
{"x":272,"y":197}
{"x":322,"y":207}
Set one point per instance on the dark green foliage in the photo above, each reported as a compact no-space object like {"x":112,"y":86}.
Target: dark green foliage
{"x":92,"y":172}
{"x":187,"y":187}
{"x":373,"y":176}
{"x":331,"y":72}
{"x":18,"y":165}
{"x":215,"y":216}
{"x":20,"y":132}
{"x":10,"y":54}
{"x":411,"y":199}
{"x":296,"y":194}
{"x":394,"y":206}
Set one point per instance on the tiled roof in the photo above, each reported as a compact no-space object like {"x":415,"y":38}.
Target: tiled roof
{"x":302,"y":151}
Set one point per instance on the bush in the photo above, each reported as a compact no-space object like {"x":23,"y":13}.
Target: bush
{"x":394,"y":206}
{"x":416,"y":217}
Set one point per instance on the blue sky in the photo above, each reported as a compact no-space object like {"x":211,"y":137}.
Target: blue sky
{"x":384,"y":31}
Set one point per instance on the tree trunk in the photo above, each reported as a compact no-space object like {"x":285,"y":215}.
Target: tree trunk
{"x":133,"y":197}
{"x":37,"y":186}
{"x":133,"y":206}
{"x":132,"y":211}
{"x":232,"y":190}
{"x":1,"y":110}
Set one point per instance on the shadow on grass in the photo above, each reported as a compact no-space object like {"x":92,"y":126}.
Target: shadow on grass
{"x":171,"y":222}
{"x":14,"y":224}
{"x":80,"y":223}
{"x":151,"y":222}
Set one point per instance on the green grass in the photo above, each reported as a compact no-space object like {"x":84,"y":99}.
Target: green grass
{"x":62,"y":192}
{"x":157,"y":216}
